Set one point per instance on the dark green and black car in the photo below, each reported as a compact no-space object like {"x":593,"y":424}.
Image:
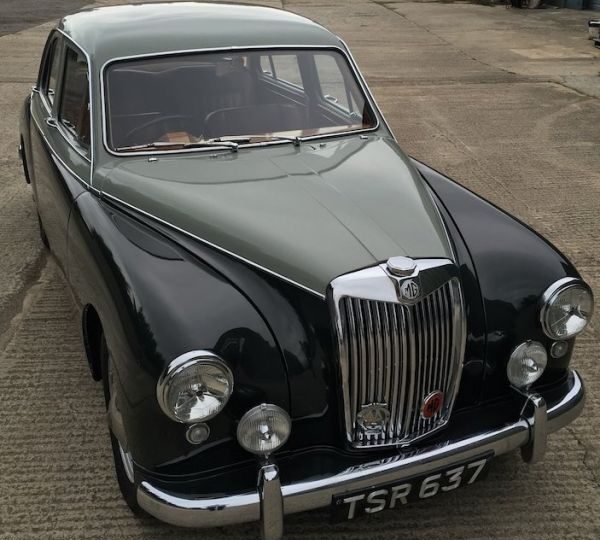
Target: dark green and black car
{"x":286,"y":312}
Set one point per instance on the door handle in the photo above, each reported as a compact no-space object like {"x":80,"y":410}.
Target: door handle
{"x":52,"y":122}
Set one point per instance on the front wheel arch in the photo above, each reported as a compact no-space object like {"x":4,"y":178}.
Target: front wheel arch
{"x":92,"y":340}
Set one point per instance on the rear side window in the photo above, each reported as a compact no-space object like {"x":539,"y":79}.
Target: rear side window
{"x":74,"y":112}
{"x":287,"y":69}
{"x":333,"y":87}
{"x":50,"y":82}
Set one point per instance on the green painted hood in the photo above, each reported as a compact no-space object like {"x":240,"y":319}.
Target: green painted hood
{"x":309,"y":213}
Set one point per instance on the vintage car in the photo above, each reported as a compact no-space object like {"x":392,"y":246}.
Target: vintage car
{"x":286,"y":312}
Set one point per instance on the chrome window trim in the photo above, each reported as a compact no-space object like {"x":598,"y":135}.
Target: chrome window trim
{"x":91,"y":101}
{"x":41,"y":90}
{"x":351,"y":64}
{"x":110,"y":197}
{"x":69,"y":139}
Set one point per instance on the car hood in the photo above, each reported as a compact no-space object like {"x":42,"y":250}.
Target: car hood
{"x":309,"y":213}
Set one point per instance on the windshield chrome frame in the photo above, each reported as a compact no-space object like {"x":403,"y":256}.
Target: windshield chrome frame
{"x":345,"y":53}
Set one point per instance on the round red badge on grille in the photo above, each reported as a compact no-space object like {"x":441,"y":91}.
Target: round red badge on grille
{"x":432,"y":404}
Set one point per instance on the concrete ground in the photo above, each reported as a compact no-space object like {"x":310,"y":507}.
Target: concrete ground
{"x":504,"y":100}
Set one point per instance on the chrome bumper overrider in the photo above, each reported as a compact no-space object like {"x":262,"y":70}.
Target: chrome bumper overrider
{"x":272,"y":500}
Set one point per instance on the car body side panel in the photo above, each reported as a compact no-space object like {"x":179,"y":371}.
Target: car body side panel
{"x":514,"y":266}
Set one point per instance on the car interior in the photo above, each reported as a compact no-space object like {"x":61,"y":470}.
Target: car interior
{"x":187,"y":99}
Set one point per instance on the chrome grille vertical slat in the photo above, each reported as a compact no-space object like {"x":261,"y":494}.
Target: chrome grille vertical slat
{"x":395,"y":353}
{"x":438,"y":317}
{"x":411,"y":364}
{"x":352,"y":348}
{"x":361,"y":357}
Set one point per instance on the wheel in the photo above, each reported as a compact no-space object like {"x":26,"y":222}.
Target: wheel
{"x":123,"y":461}
{"x":43,"y":236}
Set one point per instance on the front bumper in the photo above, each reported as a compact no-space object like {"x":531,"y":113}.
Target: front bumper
{"x":272,"y":500}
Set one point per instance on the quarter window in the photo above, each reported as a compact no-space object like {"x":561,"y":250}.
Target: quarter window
{"x":74,"y":112}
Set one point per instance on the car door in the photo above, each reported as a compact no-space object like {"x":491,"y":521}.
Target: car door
{"x":60,"y":138}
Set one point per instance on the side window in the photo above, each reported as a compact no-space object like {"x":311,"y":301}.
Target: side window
{"x":266,"y":66}
{"x":50,"y":77}
{"x":333,"y":86}
{"x":287,"y":69}
{"x":74,"y":111}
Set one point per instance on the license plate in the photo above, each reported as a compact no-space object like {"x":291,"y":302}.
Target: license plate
{"x":353,"y":505}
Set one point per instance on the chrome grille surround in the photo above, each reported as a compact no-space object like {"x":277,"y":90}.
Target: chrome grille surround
{"x":395,"y":351}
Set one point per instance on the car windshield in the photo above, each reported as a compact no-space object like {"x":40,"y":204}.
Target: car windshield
{"x":207,"y":99}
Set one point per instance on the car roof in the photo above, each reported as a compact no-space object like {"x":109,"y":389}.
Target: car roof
{"x":107,"y":33}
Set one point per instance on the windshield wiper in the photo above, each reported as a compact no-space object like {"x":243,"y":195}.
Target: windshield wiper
{"x":226,"y":142}
{"x":243,"y":139}
{"x":163,"y":145}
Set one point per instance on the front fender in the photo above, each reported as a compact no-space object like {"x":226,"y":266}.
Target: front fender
{"x":157,"y":301}
{"x":514,"y":266}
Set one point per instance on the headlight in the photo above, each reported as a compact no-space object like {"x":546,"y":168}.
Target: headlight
{"x":567,"y":309}
{"x":195,"y":387}
{"x":264,"y":429}
{"x":526,"y":364}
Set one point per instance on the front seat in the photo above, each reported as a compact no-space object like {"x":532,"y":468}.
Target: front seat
{"x":254,"y":120}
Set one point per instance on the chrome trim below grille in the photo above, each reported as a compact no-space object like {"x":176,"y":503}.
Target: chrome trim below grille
{"x":395,"y":351}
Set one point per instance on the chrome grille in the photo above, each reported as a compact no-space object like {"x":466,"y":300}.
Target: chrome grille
{"x":395,"y":353}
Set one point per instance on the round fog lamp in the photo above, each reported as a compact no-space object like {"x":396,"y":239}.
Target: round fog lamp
{"x":264,"y":429}
{"x":526,"y":364}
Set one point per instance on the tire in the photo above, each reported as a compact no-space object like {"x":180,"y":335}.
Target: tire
{"x":122,"y":460}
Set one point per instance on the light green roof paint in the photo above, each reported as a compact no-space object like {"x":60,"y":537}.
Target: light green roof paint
{"x":110,"y":32}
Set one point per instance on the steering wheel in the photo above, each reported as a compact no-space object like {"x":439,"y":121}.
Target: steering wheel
{"x":166,"y":122}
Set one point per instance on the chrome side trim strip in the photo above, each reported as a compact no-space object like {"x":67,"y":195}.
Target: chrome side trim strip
{"x":341,"y":50}
{"x":241,"y":508}
{"x":110,"y":197}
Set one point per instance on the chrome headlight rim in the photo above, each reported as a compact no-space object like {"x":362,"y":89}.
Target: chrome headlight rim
{"x":180,"y":364}
{"x":551,"y":293}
